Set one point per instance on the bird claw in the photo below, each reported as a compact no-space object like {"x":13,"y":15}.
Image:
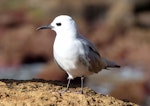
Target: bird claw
{"x":63,"y":91}
{"x":81,"y":92}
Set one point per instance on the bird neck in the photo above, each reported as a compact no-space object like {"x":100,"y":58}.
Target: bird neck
{"x":69,"y":34}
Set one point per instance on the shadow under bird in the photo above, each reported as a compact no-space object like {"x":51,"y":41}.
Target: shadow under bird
{"x":73,"y":53}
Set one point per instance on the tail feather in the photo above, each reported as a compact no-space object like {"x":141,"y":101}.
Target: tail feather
{"x":110,"y":64}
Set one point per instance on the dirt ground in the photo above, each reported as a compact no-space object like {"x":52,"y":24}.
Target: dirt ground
{"x":47,"y":93}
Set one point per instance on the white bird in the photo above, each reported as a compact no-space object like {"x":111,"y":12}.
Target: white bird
{"x":73,"y":53}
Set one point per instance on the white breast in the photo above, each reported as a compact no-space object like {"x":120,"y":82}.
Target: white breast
{"x":66,"y":53}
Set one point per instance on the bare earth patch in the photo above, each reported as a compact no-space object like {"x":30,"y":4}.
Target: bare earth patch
{"x":46,"y":93}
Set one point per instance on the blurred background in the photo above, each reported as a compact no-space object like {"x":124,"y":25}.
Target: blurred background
{"x":120,"y":29}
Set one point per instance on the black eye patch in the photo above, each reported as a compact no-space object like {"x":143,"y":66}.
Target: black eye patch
{"x":58,"y":24}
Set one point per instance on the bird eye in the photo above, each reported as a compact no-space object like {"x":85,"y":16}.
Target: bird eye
{"x":58,"y":24}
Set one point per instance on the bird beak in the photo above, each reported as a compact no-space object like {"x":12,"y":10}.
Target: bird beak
{"x":45,"y":27}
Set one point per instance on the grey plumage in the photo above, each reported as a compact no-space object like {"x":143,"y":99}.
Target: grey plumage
{"x":92,"y":58}
{"x":73,"y":53}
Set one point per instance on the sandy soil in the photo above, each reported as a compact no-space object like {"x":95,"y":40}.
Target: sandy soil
{"x":46,"y":93}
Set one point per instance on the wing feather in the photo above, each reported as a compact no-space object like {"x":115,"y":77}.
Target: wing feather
{"x":91,"y":58}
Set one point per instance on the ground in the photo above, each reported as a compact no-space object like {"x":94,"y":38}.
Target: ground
{"x":47,"y":93}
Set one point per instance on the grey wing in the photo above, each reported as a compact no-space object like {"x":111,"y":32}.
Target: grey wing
{"x":92,"y":58}
{"x":95,"y":62}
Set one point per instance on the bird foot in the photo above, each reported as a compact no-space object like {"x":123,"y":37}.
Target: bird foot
{"x":80,"y":92}
{"x":63,"y":91}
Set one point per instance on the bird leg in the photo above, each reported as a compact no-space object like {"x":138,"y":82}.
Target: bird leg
{"x":82,"y":83}
{"x":68,"y":85}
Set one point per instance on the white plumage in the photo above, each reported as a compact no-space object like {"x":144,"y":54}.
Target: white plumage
{"x":74,"y":53}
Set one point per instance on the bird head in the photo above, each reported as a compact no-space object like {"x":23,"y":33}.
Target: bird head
{"x":61,"y":24}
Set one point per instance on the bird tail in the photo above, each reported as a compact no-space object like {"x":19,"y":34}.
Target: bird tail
{"x":110,"y":64}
